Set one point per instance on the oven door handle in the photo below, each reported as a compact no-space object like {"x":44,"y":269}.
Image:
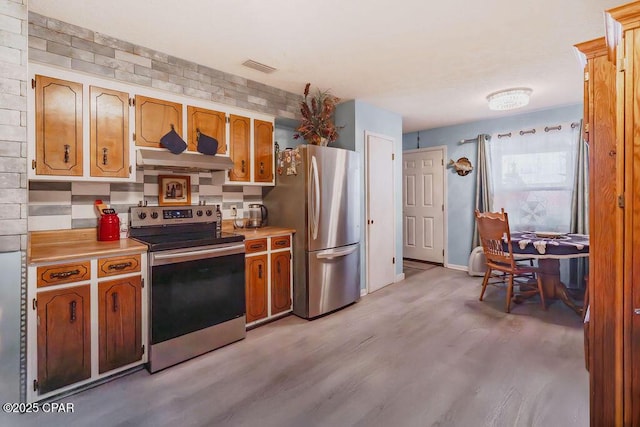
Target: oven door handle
{"x":171,"y":258}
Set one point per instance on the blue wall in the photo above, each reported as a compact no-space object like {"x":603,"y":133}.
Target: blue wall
{"x":358,"y":117}
{"x":461,"y":189}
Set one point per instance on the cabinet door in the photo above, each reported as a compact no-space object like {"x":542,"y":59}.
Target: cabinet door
{"x":58,"y":127}
{"x":64,"y":340}
{"x":119,"y":322}
{"x":256,"y":287}
{"x":263,"y":151}
{"x":154,"y":119}
{"x":209,"y":122}
{"x":109,"y":130}
{"x":239,"y":140}
{"x":280,"y":282}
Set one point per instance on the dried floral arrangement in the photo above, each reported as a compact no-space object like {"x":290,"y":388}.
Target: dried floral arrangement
{"x":317,"y":126}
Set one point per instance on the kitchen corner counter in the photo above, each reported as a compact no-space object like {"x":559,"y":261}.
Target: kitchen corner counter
{"x":258,"y":233}
{"x":61,"y":245}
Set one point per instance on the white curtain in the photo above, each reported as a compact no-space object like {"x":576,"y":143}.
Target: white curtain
{"x":532,"y":174}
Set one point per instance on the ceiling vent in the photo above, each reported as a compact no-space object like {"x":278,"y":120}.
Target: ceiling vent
{"x":258,"y":66}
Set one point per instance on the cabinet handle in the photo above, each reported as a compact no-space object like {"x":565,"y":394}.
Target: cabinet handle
{"x":281,"y":242}
{"x":242,"y":163}
{"x":72,"y":309}
{"x":63,"y":274}
{"x":114,"y":296}
{"x":262,"y":168}
{"x":104,"y":156}
{"x":260,"y":272}
{"x":66,"y":153}
{"x":256,"y":246}
{"x":120,"y":266}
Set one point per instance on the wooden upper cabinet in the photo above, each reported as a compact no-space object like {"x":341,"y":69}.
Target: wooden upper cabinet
{"x":154,"y":118}
{"x":109,"y":129}
{"x":119,"y":322}
{"x":239,"y":148}
{"x":209,"y":122}
{"x":263,"y":151}
{"x":58,"y":110}
{"x":64,"y":338}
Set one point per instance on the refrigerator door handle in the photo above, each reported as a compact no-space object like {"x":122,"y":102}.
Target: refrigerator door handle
{"x":336,"y":253}
{"x":315,"y":198}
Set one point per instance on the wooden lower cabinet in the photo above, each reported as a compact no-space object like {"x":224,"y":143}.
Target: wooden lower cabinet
{"x":256,"y":287}
{"x":268,"y":277}
{"x":64,"y":339}
{"x":119,"y":322}
{"x":280,"y":282}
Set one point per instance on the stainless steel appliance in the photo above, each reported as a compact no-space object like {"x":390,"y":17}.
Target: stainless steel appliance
{"x":196,"y":277}
{"x":257,"y":215}
{"x":322,"y":202}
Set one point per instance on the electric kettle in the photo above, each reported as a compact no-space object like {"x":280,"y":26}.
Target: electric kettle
{"x":257,"y":215}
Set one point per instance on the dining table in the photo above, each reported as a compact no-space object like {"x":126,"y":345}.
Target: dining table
{"x":548,"y":248}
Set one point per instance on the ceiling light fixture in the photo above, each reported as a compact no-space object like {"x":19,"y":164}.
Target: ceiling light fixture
{"x":509,"y":99}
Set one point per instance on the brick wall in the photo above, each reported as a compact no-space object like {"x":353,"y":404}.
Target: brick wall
{"x":68,"y":46}
{"x":13,"y":122}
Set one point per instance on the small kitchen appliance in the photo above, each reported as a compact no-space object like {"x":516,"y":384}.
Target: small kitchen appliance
{"x":108,"y":225}
{"x":257,"y":215}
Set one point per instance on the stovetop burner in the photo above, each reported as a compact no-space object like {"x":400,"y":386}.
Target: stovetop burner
{"x":165,"y":228}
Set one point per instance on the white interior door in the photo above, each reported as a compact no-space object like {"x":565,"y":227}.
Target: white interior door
{"x":380,"y":212}
{"x":423,"y":204}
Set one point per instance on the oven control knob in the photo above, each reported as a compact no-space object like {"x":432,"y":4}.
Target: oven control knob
{"x":209,"y":212}
{"x":142,"y":215}
{"x":154,"y":214}
{"x":199,"y":213}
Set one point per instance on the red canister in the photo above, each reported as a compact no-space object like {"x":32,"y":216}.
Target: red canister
{"x":109,"y":227}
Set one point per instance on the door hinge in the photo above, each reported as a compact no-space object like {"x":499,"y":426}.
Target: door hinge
{"x":442,"y":162}
{"x":142,"y":283}
{"x":622,"y":64}
{"x":227,"y":119}
{"x":143,"y":349}
{"x":443,"y":252}
{"x":289,"y":255}
{"x":34,"y":304}
{"x":132,"y":102}
{"x":442,"y":208}
{"x":621,"y":200}
{"x":393,"y":156}
{"x":33,"y":83}
{"x":586,"y":127}
{"x":129,"y":169}
{"x":33,"y":164}
{"x":36,"y":386}
{"x":586,"y":76}
{"x":134,"y":137}
{"x":393,"y":261}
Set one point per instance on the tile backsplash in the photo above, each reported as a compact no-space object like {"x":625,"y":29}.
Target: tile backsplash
{"x":66,"y":205}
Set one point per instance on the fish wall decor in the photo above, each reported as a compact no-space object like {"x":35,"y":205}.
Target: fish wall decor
{"x":462,"y":166}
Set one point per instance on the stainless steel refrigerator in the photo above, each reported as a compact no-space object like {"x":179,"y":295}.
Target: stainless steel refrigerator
{"x":322,"y":202}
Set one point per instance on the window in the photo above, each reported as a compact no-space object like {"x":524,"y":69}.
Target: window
{"x":532,"y":176}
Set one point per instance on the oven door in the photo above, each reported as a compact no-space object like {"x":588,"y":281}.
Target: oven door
{"x":195,"y":288}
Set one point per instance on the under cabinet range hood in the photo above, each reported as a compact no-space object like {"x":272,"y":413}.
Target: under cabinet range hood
{"x":162,"y":159}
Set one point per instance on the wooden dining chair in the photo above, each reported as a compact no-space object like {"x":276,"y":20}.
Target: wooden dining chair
{"x":495,"y":237}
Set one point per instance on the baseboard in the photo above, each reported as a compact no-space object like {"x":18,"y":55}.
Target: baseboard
{"x":363,"y":292}
{"x":399,"y":277}
{"x":458,"y":267}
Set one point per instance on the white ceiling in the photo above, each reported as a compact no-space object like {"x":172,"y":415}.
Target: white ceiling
{"x":433,"y":62}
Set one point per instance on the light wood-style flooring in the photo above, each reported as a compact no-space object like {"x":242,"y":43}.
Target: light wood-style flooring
{"x":422,"y":352}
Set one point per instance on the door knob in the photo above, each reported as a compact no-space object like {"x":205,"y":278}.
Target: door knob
{"x":636,"y":311}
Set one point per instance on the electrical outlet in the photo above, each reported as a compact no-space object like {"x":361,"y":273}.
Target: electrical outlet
{"x":234,"y":211}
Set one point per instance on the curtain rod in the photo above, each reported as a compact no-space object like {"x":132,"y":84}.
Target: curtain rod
{"x":523,"y":132}
{"x":464,"y":141}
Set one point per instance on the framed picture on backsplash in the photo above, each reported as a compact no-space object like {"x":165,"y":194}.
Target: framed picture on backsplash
{"x":174,"y":190}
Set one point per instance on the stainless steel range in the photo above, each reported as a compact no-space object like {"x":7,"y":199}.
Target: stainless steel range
{"x":196,"y":280}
